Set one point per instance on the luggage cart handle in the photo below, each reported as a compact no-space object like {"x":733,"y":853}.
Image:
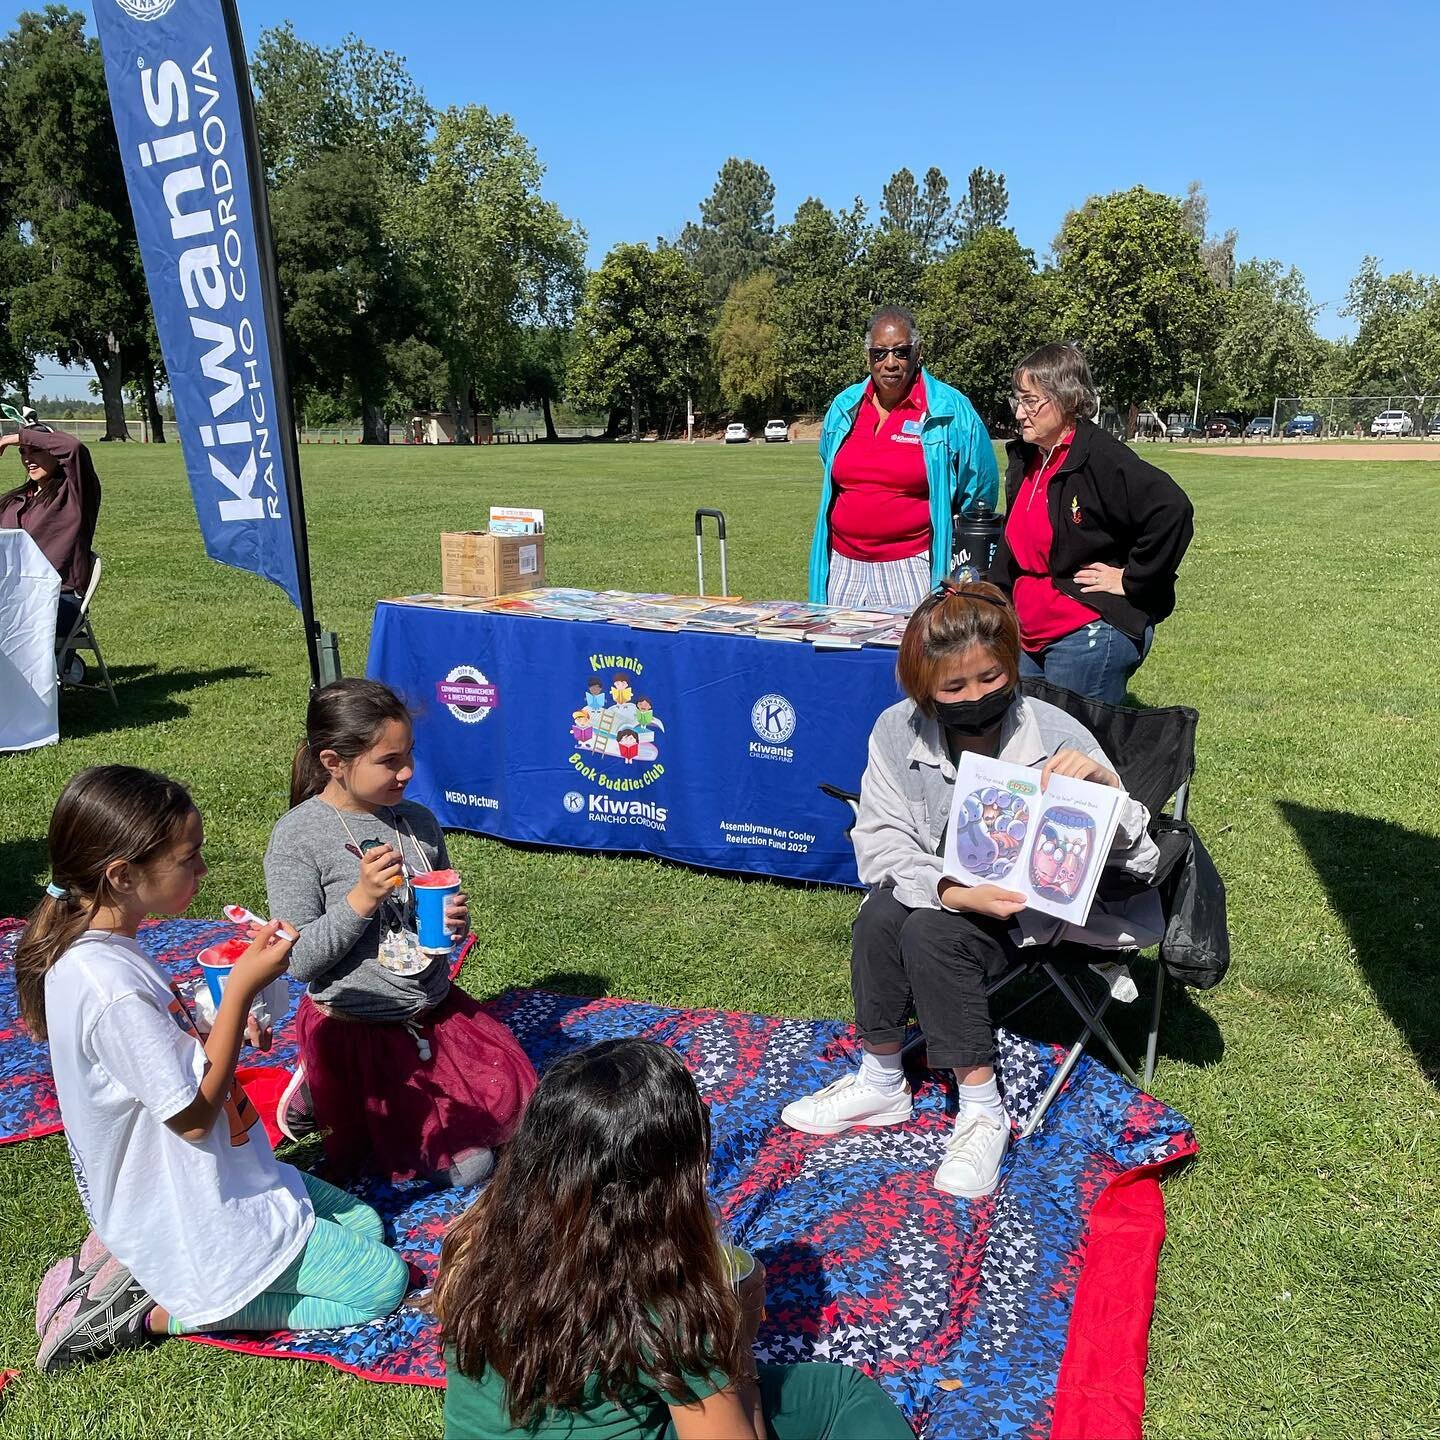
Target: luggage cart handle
{"x":719,"y":517}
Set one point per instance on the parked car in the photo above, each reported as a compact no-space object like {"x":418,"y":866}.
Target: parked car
{"x":1307,"y":422}
{"x":1182,"y":427}
{"x":1433,"y":428}
{"x":1260,"y":425}
{"x":776,"y":430}
{"x":1392,"y":422}
{"x":1221,"y":427}
{"x":736,"y":434}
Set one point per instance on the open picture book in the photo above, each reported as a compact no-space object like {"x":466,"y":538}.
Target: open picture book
{"x":1048,"y":846}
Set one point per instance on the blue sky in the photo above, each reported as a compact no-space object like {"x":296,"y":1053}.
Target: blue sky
{"x":1312,"y":126}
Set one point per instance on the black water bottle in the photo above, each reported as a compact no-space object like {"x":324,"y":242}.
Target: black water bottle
{"x":977,"y":536}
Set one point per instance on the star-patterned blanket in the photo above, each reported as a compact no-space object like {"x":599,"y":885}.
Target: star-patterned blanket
{"x":1024,"y":1314}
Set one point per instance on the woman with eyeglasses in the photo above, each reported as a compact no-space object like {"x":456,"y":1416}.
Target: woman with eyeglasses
{"x":1093,"y":535}
{"x":923,"y":943}
{"x":900,"y":452}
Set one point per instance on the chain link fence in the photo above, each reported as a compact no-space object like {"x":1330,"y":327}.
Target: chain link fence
{"x":1354,"y":414}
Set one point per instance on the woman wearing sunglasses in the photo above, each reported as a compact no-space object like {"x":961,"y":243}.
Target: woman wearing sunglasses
{"x":1093,"y":535}
{"x":900,"y":452}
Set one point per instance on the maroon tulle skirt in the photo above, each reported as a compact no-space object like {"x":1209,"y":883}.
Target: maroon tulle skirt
{"x":390,"y":1112}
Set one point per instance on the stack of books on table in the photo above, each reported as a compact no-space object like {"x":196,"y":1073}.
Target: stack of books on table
{"x":827,"y":627}
{"x":845,"y":629}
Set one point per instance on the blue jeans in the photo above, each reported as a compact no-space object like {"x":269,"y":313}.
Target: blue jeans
{"x":1097,"y":660}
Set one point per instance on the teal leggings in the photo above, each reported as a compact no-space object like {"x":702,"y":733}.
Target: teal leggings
{"x":827,"y":1402}
{"x":345,"y":1275}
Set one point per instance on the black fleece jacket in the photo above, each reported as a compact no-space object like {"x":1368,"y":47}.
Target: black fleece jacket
{"x":1107,"y":505}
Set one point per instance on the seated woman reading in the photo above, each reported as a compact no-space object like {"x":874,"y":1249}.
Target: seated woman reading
{"x":928,"y":945}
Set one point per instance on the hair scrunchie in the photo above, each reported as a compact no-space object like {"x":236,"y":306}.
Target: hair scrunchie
{"x":57,"y":892}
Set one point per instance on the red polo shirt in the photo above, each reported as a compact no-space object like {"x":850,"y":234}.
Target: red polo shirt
{"x":1044,"y":613}
{"x":882,"y":494}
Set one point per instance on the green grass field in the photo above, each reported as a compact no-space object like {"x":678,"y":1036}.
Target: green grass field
{"x":1300,"y":1284}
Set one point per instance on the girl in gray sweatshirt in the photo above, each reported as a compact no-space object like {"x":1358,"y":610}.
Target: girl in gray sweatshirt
{"x":406,"y":1072}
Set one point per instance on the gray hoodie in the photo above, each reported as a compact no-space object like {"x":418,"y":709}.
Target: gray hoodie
{"x":905,"y":798}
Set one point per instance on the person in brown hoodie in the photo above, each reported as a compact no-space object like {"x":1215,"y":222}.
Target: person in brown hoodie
{"x":57,"y":505}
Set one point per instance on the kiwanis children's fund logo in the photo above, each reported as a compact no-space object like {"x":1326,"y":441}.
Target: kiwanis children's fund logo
{"x":772,"y":717}
{"x":616,"y":736}
{"x":146,"y":9}
{"x":467,"y":694}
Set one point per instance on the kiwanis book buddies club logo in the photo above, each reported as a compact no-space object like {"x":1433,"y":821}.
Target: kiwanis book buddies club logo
{"x":615,"y":720}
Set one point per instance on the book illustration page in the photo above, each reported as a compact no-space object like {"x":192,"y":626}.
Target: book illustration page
{"x":991,"y":833}
{"x":1064,"y":852}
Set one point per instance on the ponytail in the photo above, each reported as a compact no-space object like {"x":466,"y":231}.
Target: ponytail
{"x":51,"y":928}
{"x":308,"y":777}
{"x":344,"y":717}
{"x":104,"y":814}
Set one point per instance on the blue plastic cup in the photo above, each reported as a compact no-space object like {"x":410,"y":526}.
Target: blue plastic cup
{"x":215,"y":966}
{"x":430,"y":900}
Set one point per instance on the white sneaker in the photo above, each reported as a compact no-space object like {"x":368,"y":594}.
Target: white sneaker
{"x":971,"y":1167}
{"x":846,"y":1103}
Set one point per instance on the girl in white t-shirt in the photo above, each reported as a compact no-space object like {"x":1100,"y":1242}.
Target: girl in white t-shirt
{"x":196,"y":1225}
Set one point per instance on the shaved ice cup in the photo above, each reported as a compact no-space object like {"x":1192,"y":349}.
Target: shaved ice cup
{"x":216,"y":963}
{"x":432,"y":890}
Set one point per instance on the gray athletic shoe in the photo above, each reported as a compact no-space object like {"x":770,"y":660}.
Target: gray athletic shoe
{"x":67,"y":1278}
{"x":108,"y":1315}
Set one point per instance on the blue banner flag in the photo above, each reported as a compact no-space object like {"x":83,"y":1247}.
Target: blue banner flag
{"x":180,"y":96}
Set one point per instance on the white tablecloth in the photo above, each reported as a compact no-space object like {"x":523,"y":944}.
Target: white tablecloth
{"x":29,"y":598}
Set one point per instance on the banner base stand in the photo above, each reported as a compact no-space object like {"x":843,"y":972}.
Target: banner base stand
{"x":329,"y":657}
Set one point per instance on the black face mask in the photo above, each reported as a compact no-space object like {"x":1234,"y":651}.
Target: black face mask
{"x":975,"y":717}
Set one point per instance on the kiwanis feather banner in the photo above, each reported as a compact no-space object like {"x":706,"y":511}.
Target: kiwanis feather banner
{"x":181,"y":101}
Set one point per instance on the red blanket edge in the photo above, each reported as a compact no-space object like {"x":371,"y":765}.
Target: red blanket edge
{"x":270,"y":1352}
{"x":1101,"y":1387}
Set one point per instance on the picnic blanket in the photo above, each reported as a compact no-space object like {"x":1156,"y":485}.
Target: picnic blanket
{"x":28,"y":1108}
{"x":1023,"y":1314}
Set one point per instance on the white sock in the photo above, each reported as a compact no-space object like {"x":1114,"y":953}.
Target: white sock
{"x":882,"y":1072}
{"x":985,"y":1096}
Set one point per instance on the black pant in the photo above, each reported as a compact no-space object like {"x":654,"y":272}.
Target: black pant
{"x":943,"y":962}
{"x":66,"y":613}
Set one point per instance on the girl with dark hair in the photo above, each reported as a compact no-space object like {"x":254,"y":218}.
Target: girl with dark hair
{"x":586,"y":1293}
{"x":404,"y":1069}
{"x":922,"y":942}
{"x":196,"y":1225}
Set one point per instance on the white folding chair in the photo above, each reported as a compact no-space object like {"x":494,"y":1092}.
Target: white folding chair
{"x":82,"y":637}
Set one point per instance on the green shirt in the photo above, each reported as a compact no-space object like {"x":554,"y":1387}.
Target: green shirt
{"x":476,"y":1409}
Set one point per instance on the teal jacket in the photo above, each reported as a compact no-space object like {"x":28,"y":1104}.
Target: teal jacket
{"x":959,"y":461}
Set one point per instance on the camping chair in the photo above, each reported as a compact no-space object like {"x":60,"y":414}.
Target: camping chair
{"x":1153,"y":751}
{"x":82,"y":637}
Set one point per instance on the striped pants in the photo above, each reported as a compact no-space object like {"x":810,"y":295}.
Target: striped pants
{"x":345,"y":1275}
{"x":863,"y":584}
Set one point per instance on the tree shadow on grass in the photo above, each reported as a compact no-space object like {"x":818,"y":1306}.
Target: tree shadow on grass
{"x":1382,"y":881}
{"x":146,"y":696}
{"x":21,"y":861}
{"x":582,"y":983}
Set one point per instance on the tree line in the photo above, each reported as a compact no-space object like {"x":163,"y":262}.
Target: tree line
{"x":422,"y":268}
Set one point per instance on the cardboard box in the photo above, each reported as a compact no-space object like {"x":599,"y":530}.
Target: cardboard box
{"x":475,"y":562}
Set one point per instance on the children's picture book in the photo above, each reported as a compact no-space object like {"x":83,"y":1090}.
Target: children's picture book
{"x":516,"y":520}
{"x":731,"y":619}
{"x":851,"y":629}
{"x":1049,"y":846}
{"x":438,"y":602}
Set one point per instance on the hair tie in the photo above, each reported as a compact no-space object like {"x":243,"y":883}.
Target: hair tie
{"x":948,"y":587}
{"x":57,"y":892}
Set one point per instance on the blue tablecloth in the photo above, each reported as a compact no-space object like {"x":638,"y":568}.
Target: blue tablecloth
{"x":706,"y":749}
